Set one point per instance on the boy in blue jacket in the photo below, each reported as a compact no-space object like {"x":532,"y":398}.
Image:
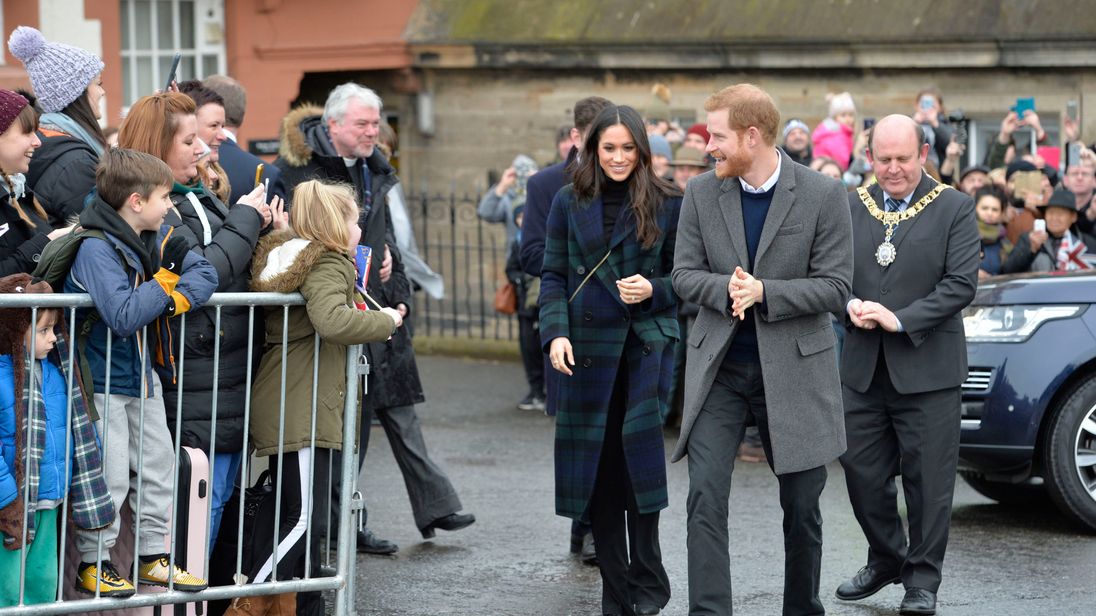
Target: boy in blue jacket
{"x":34,"y":396}
{"x":138,"y":276}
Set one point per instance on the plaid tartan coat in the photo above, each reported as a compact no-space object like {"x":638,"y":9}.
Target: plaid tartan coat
{"x":597,"y":323}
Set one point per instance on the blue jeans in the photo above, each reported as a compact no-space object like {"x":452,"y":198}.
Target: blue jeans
{"x":226,"y":465}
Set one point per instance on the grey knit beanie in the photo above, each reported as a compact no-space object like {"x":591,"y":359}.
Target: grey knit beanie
{"x":59,"y":73}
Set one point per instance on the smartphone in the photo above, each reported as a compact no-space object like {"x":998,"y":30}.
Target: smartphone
{"x":1073,"y":110}
{"x":961,"y":133}
{"x":174,"y":69}
{"x":258,"y":173}
{"x":1040,"y":225}
{"x":927,"y":102}
{"x":1024,"y":104}
{"x":868,"y":123}
{"x":1073,"y":155}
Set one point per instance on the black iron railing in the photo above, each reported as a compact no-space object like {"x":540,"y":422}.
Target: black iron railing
{"x":470,"y":255}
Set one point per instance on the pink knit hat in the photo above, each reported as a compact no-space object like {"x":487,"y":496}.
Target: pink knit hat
{"x":11,"y":104}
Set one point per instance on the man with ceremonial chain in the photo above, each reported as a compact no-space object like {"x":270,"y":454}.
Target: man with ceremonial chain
{"x":904,"y":359}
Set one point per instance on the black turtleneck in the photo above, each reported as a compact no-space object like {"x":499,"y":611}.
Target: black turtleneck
{"x":613,"y":196}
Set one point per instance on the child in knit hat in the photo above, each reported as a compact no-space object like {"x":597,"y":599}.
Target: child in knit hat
{"x":68,"y":84}
{"x":833,"y":137}
{"x":33,"y":397}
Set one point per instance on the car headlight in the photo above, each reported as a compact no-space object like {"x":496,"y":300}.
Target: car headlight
{"x":1011,"y":323}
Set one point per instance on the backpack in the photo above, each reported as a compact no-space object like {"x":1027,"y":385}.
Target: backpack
{"x":53,"y":266}
{"x":59,"y":254}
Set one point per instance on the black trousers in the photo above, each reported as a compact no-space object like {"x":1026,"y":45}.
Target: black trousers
{"x":293,"y":525}
{"x":429,"y":489}
{"x":916,"y":435}
{"x":628,"y":550}
{"x":532,"y":357}
{"x":431,"y":493}
{"x":738,"y":394}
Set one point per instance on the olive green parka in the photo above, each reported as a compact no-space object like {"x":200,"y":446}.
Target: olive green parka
{"x":286,"y":264}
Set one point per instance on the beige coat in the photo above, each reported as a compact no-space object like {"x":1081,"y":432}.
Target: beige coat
{"x":284,"y":264}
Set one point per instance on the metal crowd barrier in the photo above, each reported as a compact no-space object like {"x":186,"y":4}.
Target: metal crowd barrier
{"x":350,"y":502}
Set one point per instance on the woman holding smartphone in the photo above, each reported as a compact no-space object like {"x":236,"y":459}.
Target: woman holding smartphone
{"x":609,"y":321}
{"x":226,"y":236}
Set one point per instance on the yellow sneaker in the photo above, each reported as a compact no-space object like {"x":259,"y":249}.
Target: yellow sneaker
{"x":110,"y":583}
{"x":156,"y":573}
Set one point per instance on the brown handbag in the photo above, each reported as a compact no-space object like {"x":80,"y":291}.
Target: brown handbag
{"x":506,"y":298}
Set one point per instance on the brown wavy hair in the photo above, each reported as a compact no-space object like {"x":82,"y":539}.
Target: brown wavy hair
{"x":152,"y":122}
{"x":28,"y":123}
{"x":646,"y":190}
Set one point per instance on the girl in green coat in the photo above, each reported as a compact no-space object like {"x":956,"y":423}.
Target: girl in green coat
{"x":315,"y":260}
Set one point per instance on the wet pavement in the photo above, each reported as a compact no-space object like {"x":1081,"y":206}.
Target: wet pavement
{"x":514,"y":560}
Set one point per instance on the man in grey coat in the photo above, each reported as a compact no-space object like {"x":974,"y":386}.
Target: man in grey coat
{"x":764,"y":247}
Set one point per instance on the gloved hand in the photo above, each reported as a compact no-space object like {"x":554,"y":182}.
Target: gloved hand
{"x":172,"y":255}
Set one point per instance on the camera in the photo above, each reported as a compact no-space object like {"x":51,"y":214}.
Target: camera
{"x":959,"y":120}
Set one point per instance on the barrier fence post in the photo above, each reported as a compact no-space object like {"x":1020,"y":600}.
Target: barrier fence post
{"x":357,"y":368}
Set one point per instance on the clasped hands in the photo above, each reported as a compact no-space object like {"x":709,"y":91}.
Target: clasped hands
{"x":744,"y":291}
{"x":869,"y":315}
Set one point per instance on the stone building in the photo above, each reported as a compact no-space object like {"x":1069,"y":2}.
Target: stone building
{"x":498,"y":77}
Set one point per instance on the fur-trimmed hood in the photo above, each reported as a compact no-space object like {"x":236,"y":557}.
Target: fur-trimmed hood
{"x":282,"y":261}
{"x":304,"y":135}
{"x":298,"y":134}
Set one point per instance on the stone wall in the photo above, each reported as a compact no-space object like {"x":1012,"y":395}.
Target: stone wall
{"x":484,"y":117}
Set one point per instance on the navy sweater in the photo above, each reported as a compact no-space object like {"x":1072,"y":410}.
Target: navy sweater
{"x":755,"y":207}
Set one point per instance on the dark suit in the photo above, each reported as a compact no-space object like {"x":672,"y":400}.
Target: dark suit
{"x":240,"y":167}
{"x":901,"y":390}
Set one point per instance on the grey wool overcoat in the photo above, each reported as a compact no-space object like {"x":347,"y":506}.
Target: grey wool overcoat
{"x":804,"y":260}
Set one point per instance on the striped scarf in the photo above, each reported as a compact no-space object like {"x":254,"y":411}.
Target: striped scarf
{"x":92,"y":507}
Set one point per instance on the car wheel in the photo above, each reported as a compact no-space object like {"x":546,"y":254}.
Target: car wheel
{"x":1069,"y":455}
{"x":1004,"y":493}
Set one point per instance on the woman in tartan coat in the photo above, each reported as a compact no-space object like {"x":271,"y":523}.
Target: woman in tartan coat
{"x":609,"y":323}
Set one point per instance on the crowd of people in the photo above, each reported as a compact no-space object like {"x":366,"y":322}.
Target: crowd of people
{"x":656,"y":269}
{"x":150,"y":226}
{"x":754,"y":308}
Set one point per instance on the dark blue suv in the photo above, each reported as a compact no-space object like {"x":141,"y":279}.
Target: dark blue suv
{"x":1029,"y":401}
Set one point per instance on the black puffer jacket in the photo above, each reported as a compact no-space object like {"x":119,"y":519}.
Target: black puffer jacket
{"x":62,"y":175}
{"x":306,"y":153}
{"x":20,"y":243}
{"x":233,"y":234}
{"x":394,"y":375}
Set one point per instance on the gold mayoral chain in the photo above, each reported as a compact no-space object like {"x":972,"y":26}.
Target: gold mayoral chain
{"x":886,"y":253}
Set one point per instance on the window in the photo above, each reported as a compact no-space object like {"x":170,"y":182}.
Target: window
{"x":153,"y":31}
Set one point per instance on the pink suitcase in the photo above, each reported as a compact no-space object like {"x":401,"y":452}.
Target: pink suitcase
{"x":190,"y":540}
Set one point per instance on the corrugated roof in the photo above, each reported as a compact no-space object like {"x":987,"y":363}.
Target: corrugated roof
{"x":692,"y":22}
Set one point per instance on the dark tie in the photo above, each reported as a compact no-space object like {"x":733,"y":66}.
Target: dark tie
{"x":893,"y":205}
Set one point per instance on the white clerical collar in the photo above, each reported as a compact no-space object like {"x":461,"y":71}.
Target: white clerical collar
{"x":769,"y":183}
